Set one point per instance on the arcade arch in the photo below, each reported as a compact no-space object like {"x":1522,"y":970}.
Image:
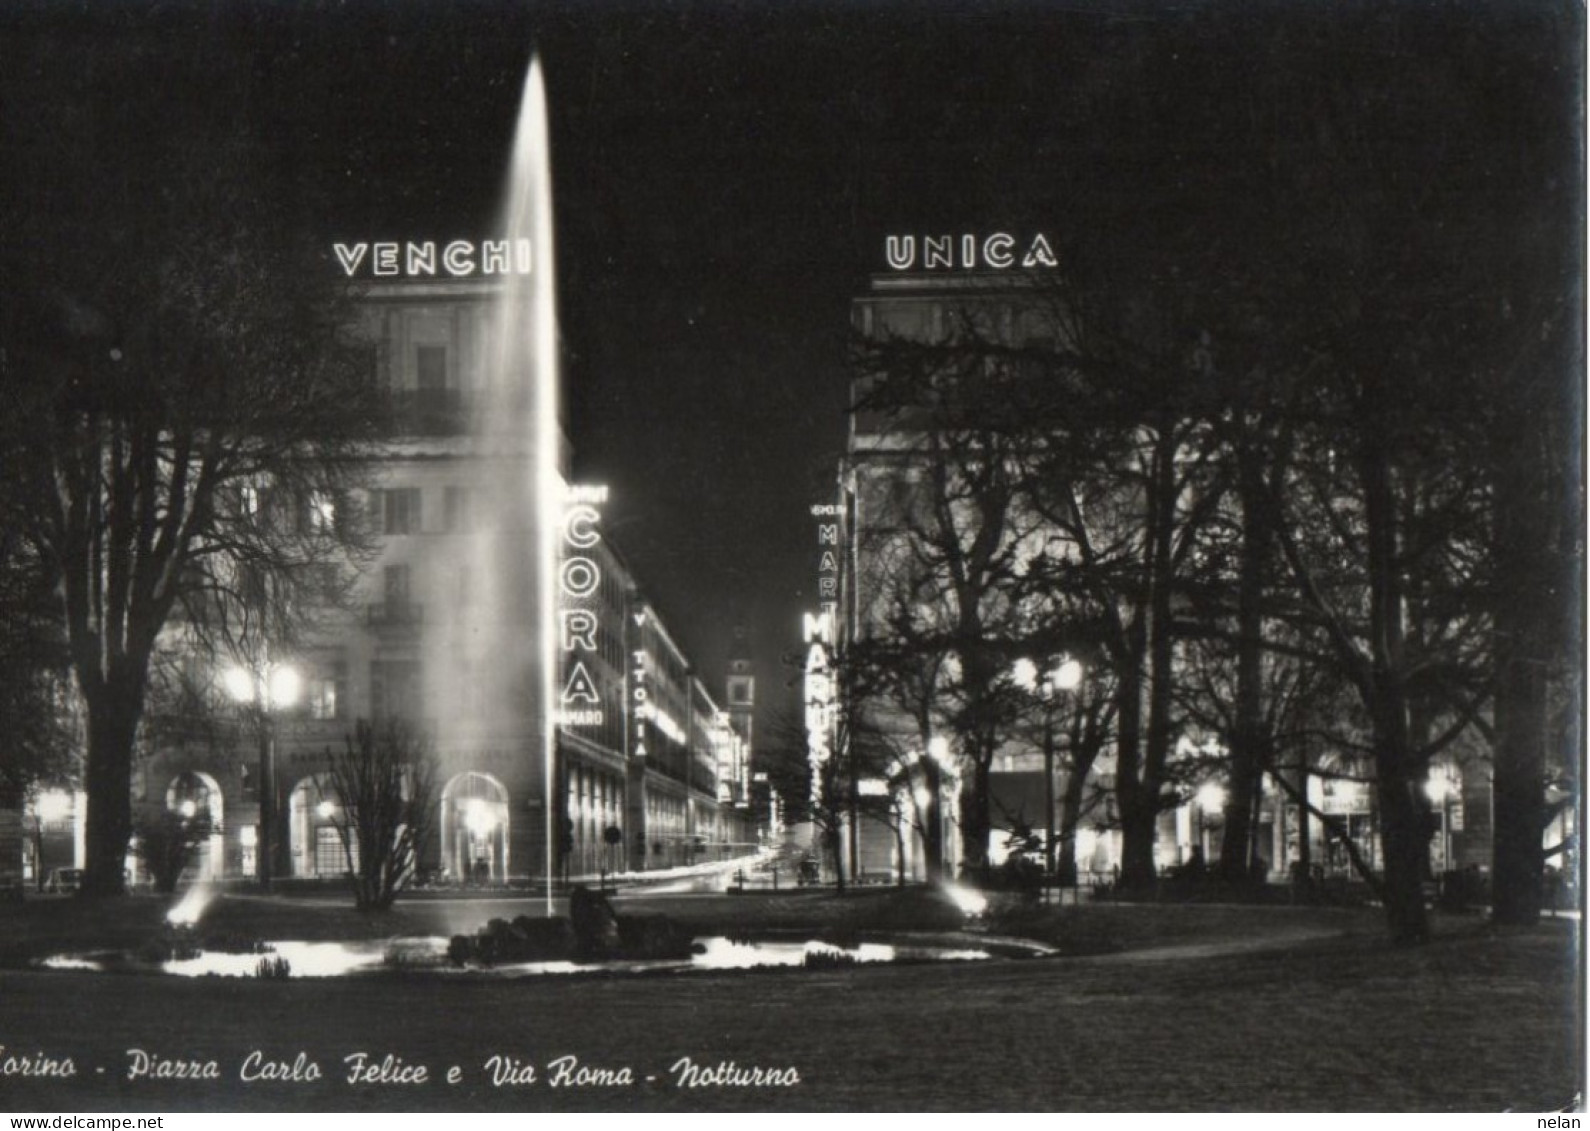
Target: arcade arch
{"x":475,"y":828}
{"x":192,"y":794}
{"x":312,"y":833}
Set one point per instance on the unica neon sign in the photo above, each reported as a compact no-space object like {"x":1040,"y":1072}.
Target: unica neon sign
{"x":997,"y":251}
{"x":426,"y":259}
{"x":579,"y":586}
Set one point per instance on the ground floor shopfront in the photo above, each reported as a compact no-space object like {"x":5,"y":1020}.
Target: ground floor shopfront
{"x":489,"y":826}
{"x":1291,"y":842}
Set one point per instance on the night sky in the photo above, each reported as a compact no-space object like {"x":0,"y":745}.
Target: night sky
{"x":724,"y":178}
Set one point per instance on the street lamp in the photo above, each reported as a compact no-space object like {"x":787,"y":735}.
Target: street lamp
{"x":1211,"y":798}
{"x":1439,"y":789}
{"x":1066,"y":675}
{"x":266,"y":688}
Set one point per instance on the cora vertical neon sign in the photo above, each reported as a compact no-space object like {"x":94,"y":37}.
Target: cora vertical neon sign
{"x":579,"y":618}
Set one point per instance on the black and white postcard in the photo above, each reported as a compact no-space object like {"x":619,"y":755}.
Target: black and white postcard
{"x":644,"y":556}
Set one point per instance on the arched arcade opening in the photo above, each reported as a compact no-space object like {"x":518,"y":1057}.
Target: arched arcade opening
{"x":474,"y":828}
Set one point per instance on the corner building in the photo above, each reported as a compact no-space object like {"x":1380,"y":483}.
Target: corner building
{"x":445,"y":630}
{"x":923,"y":299}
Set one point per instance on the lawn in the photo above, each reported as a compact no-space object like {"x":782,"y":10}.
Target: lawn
{"x":1155,"y":1008}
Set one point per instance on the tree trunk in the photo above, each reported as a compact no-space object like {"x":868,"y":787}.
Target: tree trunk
{"x":1526,"y":603}
{"x":1519,"y":787}
{"x":1405,"y":840}
{"x":836,"y":847}
{"x":1140,"y":817}
{"x":112,"y":724}
{"x":1070,"y":817}
{"x":1305,"y":849}
{"x":1404,"y":829}
{"x":1139,"y":813}
{"x":1247,"y":740}
{"x":933,"y":825}
{"x":975,"y":822}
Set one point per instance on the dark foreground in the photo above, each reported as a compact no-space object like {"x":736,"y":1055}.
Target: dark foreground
{"x":1198,"y":1008}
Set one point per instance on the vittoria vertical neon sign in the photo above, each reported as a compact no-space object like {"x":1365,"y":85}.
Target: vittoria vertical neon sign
{"x":640,"y":707}
{"x":579,"y":618}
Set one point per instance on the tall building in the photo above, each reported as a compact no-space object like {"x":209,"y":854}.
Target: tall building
{"x":447,"y":629}
{"x":895,"y":484}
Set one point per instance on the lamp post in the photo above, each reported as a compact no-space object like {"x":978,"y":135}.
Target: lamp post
{"x":1065,"y":675}
{"x":1439,"y":789}
{"x":1211,"y":797}
{"x":267,"y":687}
{"x":936,"y":767}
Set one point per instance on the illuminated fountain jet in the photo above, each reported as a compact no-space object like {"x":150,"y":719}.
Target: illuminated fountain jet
{"x":503,"y":656}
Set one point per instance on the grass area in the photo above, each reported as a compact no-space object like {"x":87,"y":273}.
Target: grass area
{"x":1178,"y":1008}
{"x":45,"y":926}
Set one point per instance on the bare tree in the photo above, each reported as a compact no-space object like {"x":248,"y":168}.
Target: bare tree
{"x":383,"y":787}
{"x":949,"y":602}
{"x":168,"y":841}
{"x":188,"y":411}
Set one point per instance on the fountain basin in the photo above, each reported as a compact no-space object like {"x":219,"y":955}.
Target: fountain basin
{"x":427,"y":956}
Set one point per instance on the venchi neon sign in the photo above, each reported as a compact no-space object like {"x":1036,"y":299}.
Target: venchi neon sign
{"x":426,"y":259}
{"x":579,"y":584}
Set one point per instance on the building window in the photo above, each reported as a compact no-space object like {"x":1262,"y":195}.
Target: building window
{"x":370,"y":363}
{"x":317,"y":513}
{"x":395,"y":689}
{"x":330,"y":857}
{"x":327,"y":692}
{"x":471,"y":687}
{"x":400,"y":510}
{"x":395,"y":584}
{"x":431,"y":374}
{"x":457,"y":512}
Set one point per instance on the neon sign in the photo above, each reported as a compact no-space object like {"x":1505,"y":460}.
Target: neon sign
{"x":459,"y":258}
{"x":639,"y":693}
{"x":818,"y":630}
{"x":818,"y":686}
{"x":579,"y":583}
{"x":967,"y":252}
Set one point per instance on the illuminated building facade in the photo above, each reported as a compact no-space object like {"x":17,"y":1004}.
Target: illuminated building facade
{"x":445,"y":629}
{"x":929,"y":287}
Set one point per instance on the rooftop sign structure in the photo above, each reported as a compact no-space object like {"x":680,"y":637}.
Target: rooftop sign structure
{"x":970,"y":251}
{"x":459,"y":259}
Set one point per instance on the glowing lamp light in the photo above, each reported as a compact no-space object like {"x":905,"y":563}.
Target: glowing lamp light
{"x":325,"y":809}
{"x":189,"y":809}
{"x":971,"y":901}
{"x":54,"y":805}
{"x":1212,"y":797}
{"x":239,"y":684}
{"x":478,"y":817}
{"x":187,"y":910}
{"x":1438,"y":788}
{"x":285,"y":686}
{"x":1067,"y":676}
{"x":282,"y":687}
